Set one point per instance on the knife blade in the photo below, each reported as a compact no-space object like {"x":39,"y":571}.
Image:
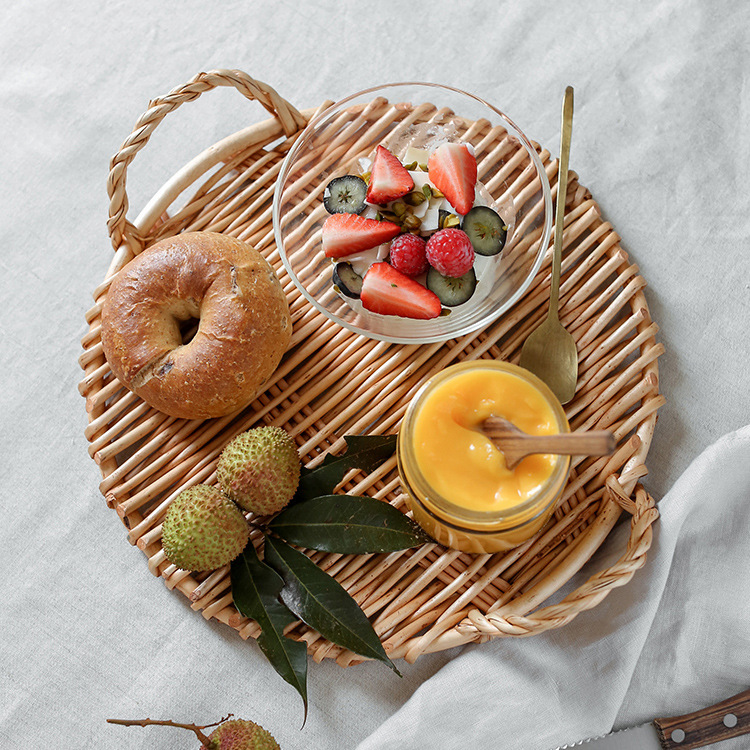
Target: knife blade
{"x":643,"y":737}
{"x":730,"y":718}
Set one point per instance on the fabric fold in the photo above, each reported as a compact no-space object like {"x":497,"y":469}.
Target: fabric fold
{"x":642,"y":652}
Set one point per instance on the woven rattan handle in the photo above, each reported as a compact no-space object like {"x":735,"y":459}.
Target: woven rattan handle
{"x":120,"y":229}
{"x":588,"y":595}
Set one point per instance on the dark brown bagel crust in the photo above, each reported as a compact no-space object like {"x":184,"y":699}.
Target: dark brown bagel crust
{"x":244,"y":328}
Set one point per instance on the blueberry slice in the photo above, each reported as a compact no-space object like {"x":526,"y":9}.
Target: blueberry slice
{"x":349,"y":282}
{"x":345,"y":195}
{"x":486,"y":230}
{"x":452,"y":291}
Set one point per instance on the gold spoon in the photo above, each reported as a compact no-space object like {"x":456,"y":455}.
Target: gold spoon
{"x":550,"y":351}
{"x":517,"y":444}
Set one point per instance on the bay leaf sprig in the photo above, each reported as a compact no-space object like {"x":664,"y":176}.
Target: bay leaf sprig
{"x":322,"y":603}
{"x":256,"y":589}
{"x":287,"y":586}
{"x":364,"y":452}
{"x":348,"y":524}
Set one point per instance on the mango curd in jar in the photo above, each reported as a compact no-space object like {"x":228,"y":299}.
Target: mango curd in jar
{"x":456,"y":480}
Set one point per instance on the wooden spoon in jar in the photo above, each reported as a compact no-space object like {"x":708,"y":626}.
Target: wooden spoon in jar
{"x":517,"y":444}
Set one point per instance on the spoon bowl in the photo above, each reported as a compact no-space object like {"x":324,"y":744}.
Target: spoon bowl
{"x":550,"y":352}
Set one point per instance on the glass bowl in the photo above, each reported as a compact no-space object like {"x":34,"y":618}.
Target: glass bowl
{"x":421,"y":115}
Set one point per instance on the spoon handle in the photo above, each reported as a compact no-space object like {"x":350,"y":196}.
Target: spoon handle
{"x":516,"y":445}
{"x":562,"y":191}
{"x":592,"y":443}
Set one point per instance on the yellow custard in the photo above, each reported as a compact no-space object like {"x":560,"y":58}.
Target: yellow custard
{"x":460,"y":462}
{"x":456,"y":480}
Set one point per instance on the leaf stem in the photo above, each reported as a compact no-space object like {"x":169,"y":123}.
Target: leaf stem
{"x":264,"y":529}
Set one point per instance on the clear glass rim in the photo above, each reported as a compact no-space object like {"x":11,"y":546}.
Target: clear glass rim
{"x":416,"y":479}
{"x":470,"y":327}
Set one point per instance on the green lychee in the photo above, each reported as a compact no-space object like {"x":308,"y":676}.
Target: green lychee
{"x":203,"y":529}
{"x":238,"y":734}
{"x":259,"y":470}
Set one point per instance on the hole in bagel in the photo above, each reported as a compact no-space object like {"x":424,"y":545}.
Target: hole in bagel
{"x":188,"y":329}
{"x":184,"y":315}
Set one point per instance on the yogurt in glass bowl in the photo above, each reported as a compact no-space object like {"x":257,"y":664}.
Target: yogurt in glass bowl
{"x":413,"y":123}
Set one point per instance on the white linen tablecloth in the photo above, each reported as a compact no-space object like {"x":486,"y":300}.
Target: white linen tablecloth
{"x":660,"y":137}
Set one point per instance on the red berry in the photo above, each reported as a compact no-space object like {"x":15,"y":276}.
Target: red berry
{"x":388,"y":178}
{"x":453,"y":171}
{"x":346,"y":234}
{"x":389,"y":292}
{"x":450,"y":252}
{"x":408,"y":254}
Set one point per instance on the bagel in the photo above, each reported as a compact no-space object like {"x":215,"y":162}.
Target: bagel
{"x":244,"y":325}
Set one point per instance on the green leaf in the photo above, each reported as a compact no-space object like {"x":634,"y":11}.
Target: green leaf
{"x":365,"y":452}
{"x":322,"y":603}
{"x":255,"y":590}
{"x":348,"y":524}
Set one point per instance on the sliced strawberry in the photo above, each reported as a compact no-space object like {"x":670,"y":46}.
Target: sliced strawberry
{"x":452,"y":169}
{"x":388,"y":178}
{"x":389,"y":292}
{"x":346,"y":234}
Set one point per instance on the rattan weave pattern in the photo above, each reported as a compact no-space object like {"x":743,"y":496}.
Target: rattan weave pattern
{"x":333,"y":382}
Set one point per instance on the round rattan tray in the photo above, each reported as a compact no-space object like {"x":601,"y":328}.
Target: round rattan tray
{"x":333,"y":382}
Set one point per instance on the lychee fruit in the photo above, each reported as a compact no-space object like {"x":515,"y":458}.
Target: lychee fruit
{"x":234,"y":734}
{"x":260,"y":469}
{"x":238,"y":734}
{"x":203,"y":529}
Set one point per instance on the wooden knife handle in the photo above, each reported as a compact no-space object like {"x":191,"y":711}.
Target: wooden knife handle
{"x":730,"y":718}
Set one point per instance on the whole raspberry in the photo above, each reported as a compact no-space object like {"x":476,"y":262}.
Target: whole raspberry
{"x":450,"y":252}
{"x":408,"y":254}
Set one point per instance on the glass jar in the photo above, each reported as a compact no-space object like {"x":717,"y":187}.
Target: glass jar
{"x":444,"y":515}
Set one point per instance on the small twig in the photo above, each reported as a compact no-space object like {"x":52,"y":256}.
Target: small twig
{"x":220,"y":721}
{"x":168,"y":723}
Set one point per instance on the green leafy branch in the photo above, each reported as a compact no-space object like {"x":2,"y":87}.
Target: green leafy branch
{"x":287,"y":586}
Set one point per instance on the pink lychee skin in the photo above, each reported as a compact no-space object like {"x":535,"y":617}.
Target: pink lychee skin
{"x":238,"y":734}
